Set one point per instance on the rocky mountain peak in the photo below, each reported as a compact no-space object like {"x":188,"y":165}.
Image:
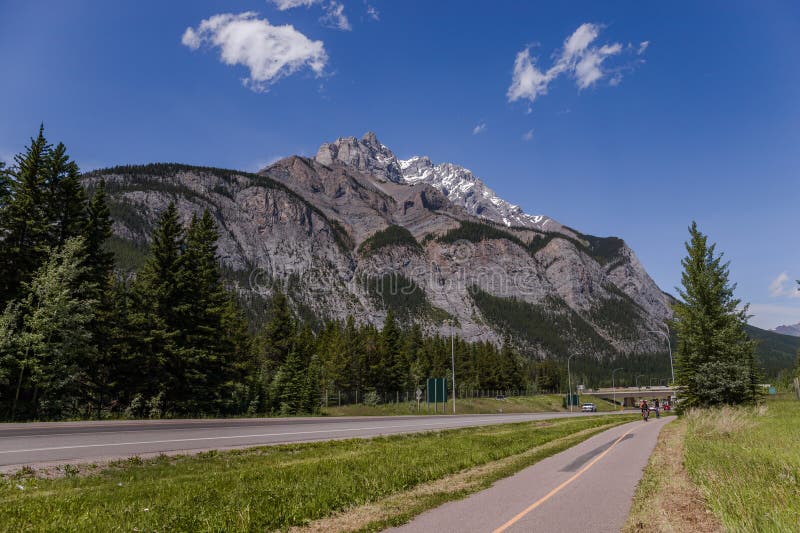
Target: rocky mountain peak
{"x":367,"y":155}
{"x":463,"y":188}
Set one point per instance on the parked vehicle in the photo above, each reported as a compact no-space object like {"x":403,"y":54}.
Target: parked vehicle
{"x":588,"y":408}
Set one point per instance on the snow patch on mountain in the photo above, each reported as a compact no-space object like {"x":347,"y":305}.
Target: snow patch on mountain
{"x":463,"y":188}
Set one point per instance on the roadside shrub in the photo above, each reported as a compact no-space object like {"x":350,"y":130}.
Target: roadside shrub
{"x":372,"y":398}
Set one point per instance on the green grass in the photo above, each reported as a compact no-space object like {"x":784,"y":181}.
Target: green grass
{"x":273,"y":487}
{"x":747,"y":464}
{"x":540,"y":403}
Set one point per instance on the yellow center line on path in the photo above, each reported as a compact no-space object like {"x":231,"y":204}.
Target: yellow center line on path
{"x":556,"y":490}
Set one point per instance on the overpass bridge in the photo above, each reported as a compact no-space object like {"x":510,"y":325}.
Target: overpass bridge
{"x":631,"y":396}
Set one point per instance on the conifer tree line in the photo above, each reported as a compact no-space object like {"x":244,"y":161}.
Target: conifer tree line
{"x":716,"y":361}
{"x":76,"y":341}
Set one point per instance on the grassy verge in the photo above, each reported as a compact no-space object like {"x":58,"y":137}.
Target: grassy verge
{"x":517,"y":404}
{"x":747,"y":464}
{"x":278,"y":487}
{"x":731,"y":469}
{"x":666,"y":500}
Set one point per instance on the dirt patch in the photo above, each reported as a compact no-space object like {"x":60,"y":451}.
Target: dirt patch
{"x":666,"y":500}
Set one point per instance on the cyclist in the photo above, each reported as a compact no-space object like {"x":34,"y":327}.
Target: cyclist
{"x":645,"y":410}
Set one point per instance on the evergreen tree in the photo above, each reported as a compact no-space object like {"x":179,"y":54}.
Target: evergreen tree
{"x":5,"y":188}
{"x":66,"y":199}
{"x":715,"y":358}
{"x":97,"y":230}
{"x":392,"y":366}
{"x":99,"y":264}
{"x":25,"y":222}
{"x":311,"y":391}
{"x":278,"y":334}
{"x":154,"y":314}
{"x":55,"y":345}
{"x":289,"y":388}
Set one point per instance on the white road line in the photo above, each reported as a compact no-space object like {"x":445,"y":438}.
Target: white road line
{"x":79,"y":446}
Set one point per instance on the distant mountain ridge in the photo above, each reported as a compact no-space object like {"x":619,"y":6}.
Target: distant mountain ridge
{"x":355,"y":231}
{"x":793,"y":330}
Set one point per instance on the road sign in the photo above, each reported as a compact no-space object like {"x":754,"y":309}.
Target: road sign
{"x":419,"y":394}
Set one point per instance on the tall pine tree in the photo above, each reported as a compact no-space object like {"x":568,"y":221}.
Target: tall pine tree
{"x":715,"y":359}
{"x":154,"y":316}
{"x":66,"y":199}
{"x":25,"y":220}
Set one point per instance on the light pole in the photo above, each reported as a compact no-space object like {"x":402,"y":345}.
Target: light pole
{"x":569,"y":381}
{"x":453,"y":362}
{"x":669,"y":347}
{"x":612,"y":385}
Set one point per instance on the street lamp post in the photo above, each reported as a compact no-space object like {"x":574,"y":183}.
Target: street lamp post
{"x":612,"y":385}
{"x":669,"y":347}
{"x":569,"y":381}
{"x":453,"y":362}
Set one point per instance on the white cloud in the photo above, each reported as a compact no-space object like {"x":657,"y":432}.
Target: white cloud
{"x":589,"y":68}
{"x":642,"y":47}
{"x":779,"y":288}
{"x":270,"y":52}
{"x":283,"y":5}
{"x":480,"y":128}
{"x":334,"y":16}
{"x":527,"y":81}
{"x":577,"y":58}
{"x":528,"y":135}
{"x":373,"y":13}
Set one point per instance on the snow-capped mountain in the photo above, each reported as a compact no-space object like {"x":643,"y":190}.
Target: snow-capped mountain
{"x":457,"y":183}
{"x":463,"y":188}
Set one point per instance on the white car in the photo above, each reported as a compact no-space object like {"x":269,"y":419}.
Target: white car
{"x":588,"y":408}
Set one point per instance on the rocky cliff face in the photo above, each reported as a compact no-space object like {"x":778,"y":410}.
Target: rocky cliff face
{"x":355,"y":231}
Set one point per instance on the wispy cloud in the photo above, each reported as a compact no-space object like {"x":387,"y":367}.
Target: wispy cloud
{"x":577,"y":58}
{"x":283,"y":5}
{"x":642,"y":47}
{"x":334,"y":16}
{"x":480,"y":128}
{"x":528,"y":135}
{"x":373,"y":13}
{"x":269,"y":52}
{"x":263,"y":163}
{"x":782,"y":286}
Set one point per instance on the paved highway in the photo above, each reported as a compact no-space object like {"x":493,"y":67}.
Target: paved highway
{"x":41,"y":444}
{"x":588,"y":487}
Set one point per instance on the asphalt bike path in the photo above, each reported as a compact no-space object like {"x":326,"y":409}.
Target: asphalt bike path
{"x":588,"y":487}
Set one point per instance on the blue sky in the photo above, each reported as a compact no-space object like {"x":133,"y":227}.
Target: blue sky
{"x":602,"y":133}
